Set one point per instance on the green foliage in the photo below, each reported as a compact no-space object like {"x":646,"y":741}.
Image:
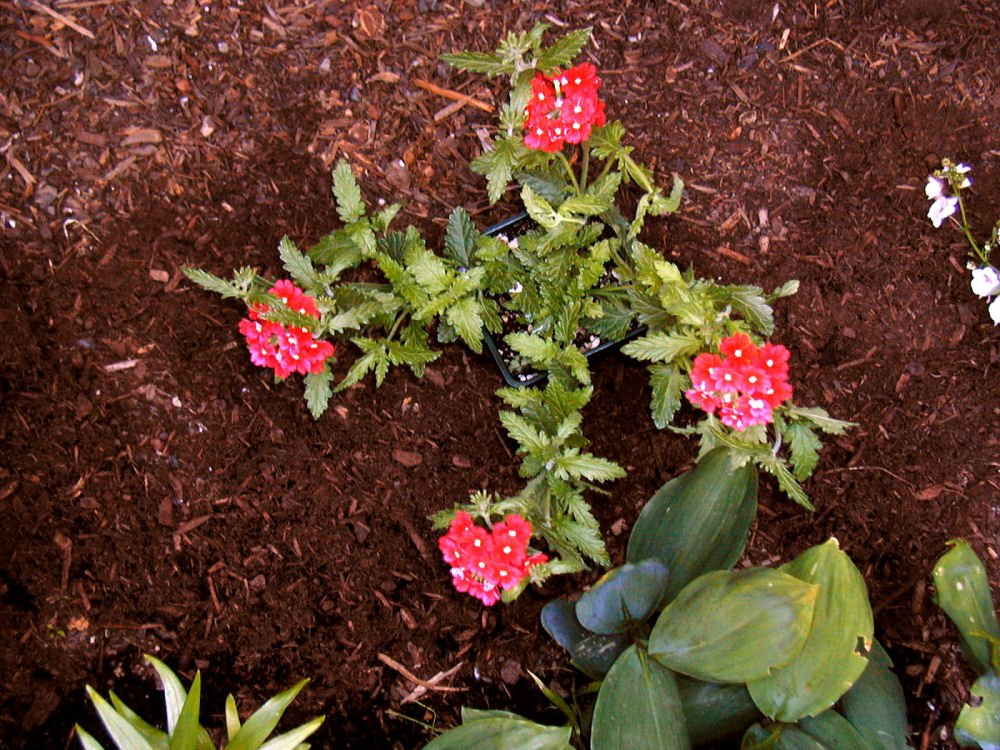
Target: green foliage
{"x":500,"y":730}
{"x":782,"y":657}
{"x":963,"y":592}
{"x":184,"y":732}
{"x":572,"y":277}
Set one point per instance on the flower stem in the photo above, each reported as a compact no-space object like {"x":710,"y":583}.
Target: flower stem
{"x":585,"y":168}
{"x":569,"y":170}
{"x":968,"y":233}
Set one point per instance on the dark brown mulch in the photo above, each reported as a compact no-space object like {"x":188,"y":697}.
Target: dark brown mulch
{"x":161,"y":495}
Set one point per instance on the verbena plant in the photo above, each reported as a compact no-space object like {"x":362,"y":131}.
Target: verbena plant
{"x":579,"y":268}
{"x":963,"y":592}
{"x":686,"y":651}
{"x":129,"y":731}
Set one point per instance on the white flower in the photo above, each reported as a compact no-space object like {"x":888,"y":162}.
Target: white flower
{"x":995,"y":311}
{"x":942,"y":207}
{"x":985,"y":281}
{"x":934,"y":188}
{"x":962,"y":168}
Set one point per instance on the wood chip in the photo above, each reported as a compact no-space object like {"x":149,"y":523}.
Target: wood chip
{"x":407,"y":458}
{"x":139,"y":136}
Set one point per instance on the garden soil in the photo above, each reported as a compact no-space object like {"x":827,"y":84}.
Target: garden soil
{"x":160,"y":494}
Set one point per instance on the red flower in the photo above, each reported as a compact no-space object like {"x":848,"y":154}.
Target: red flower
{"x":483,"y":563}
{"x":745,"y":385}
{"x":563,"y":108}
{"x":286,"y":349}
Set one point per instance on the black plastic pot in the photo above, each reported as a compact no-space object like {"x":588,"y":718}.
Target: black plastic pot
{"x":510,"y":378}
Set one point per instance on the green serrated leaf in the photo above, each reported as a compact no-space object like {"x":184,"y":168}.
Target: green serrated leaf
{"x":667,"y":383}
{"x":318,"y":391}
{"x":564,"y":50}
{"x":350,"y":204}
{"x":460,"y":237}
{"x":586,"y":466}
{"x":477,"y":62}
{"x":661,"y":346}
{"x":804,"y":446}
{"x":298,"y":265}
{"x":464,"y":317}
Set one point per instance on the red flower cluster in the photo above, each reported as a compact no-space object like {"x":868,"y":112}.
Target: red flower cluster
{"x":563,"y":108}
{"x":746,"y":384}
{"x":483,"y":563}
{"x":285,"y":348}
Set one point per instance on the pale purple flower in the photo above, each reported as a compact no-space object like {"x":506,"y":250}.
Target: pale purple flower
{"x":942,"y":207}
{"x":985,"y":281}
{"x":994,"y":311}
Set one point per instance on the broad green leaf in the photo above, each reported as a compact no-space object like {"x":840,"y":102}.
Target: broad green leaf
{"x":174,"y":693}
{"x":794,"y":737}
{"x":698,"y":521}
{"x":980,"y":724}
{"x":596,"y":654}
{"x":263,"y":721}
{"x":714,"y":712}
{"x":184,"y":736}
{"x":875,"y":704}
{"x":350,"y":205}
{"x":292,"y":739}
{"x":559,"y":620}
{"x":750,"y":303}
{"x":539,"y":209}
{"x":622,"y":597}
{"x":460,"y":237}
{"x":963,"y":592}
{"x":122,"y":732}
{"x":831,"y":730}
{"x":499,"y":730}
{"x":829,"y":662}
{"x":734,"y":626}
{"x":318,"y":391}
{"x":638,"y":706}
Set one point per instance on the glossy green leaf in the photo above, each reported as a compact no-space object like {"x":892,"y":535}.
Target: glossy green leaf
{"x":88,"y":742}
{"x":833,"y":731}
{"x":622,"y":597}
{"x":638,"y":706}
{"x":596,"y":654}
{"x":698,"y":521}
{"x":174,"y":693}
{"x":185,"y":734}
{"x":875,"y":704}
{"x":828,"y":731}
{"x":734,"y":626}
{"x":963,"y":592}
{"x":559,"y":620}
{"x":157,"y":738}
{"x":829,"y":662}
{"x":126,"y":736}
{"x":501,"y":730}
{"x":715,"y":712}
{"x":263,"y":721}
{"x":980,"y":724}
{"x":292,"y":739}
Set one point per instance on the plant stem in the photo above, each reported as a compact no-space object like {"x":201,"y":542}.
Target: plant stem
{"x":968,"y":233}
{"x":585,"y":168}
{"x":569,"y":170}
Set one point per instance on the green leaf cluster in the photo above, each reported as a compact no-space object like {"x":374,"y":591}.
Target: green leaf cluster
{"x":129,"y":731}
{"x":688,"y":651}
{"x":963,"y":592}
